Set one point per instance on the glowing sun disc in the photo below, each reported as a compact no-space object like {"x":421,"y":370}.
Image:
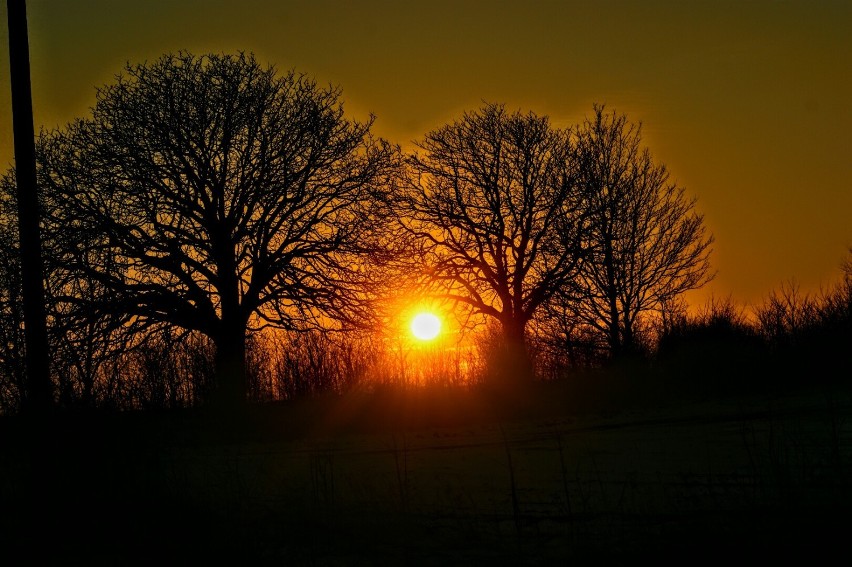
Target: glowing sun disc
{"x":426,"y":326}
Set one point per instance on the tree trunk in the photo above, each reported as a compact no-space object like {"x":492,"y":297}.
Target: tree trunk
{"x":628,"y":341}
{"x":512,"y":364}
{"x":230,"y":389}
{"x":614,"y":326}
{"x":230,"y":336}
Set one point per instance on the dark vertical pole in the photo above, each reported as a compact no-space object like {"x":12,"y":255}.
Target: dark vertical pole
{"x":39,"y":396}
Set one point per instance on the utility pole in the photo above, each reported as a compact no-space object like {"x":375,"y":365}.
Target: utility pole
{"x":38,"y":395}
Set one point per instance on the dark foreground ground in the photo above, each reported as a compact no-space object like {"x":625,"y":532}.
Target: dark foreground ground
{"x":438,"y":478}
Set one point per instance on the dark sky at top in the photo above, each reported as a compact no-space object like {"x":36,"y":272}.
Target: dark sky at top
{"x":748,"y":103}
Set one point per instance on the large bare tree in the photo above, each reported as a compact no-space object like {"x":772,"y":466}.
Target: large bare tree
{"x":214,"y":195}
{"x":648,"y":243}
{"x":491,"y":202}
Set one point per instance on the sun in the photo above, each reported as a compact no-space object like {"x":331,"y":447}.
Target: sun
{"x":425,"y":326}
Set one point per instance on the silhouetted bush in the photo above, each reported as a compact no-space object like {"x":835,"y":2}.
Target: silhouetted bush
{"x":810,"y":336}
{"x":287,"y":365}
{"x":715,"y":350}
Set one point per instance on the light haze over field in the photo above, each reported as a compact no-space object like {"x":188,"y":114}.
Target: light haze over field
{"x":747,"y":103}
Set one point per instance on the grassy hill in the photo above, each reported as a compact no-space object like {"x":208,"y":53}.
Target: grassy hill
{"x":437,"y":477}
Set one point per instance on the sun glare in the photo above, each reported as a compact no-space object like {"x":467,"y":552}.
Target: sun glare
{"x":425,"y":326}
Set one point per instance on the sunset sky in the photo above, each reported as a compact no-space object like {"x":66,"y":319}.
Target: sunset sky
{"x":748,"y":103}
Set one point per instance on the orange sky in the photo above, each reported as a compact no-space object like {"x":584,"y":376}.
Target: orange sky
{"x":749,"y":103}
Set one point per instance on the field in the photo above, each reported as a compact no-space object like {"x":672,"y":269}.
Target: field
{"x":440,"y":478}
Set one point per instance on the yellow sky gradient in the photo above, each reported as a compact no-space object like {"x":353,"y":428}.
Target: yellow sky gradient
{"x":748,"y":103}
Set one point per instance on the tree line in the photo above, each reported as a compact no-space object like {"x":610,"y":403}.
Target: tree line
{"x":209,"y":198}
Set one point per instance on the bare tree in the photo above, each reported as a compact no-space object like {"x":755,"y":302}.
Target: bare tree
{"x":491,"y":203}
{"x":84,"y":346}
{"x":12,"y":341}
{"x":786,"y":314}
{"x":648,"y":244}
{"x":226,"y":197}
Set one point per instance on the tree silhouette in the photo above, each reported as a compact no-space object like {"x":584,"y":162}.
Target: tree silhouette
{"x":491,"y":202}
{"x":648,"y":244}
{"x":82,"y":344}
{"x":211,"y":194}
{"x":13,"y":373}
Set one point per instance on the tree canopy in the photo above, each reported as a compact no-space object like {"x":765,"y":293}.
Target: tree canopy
{"x":497,"y":217}
{"x":208,"y":197}
{"x":216,"y":195}
{"x":648,"y":244}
